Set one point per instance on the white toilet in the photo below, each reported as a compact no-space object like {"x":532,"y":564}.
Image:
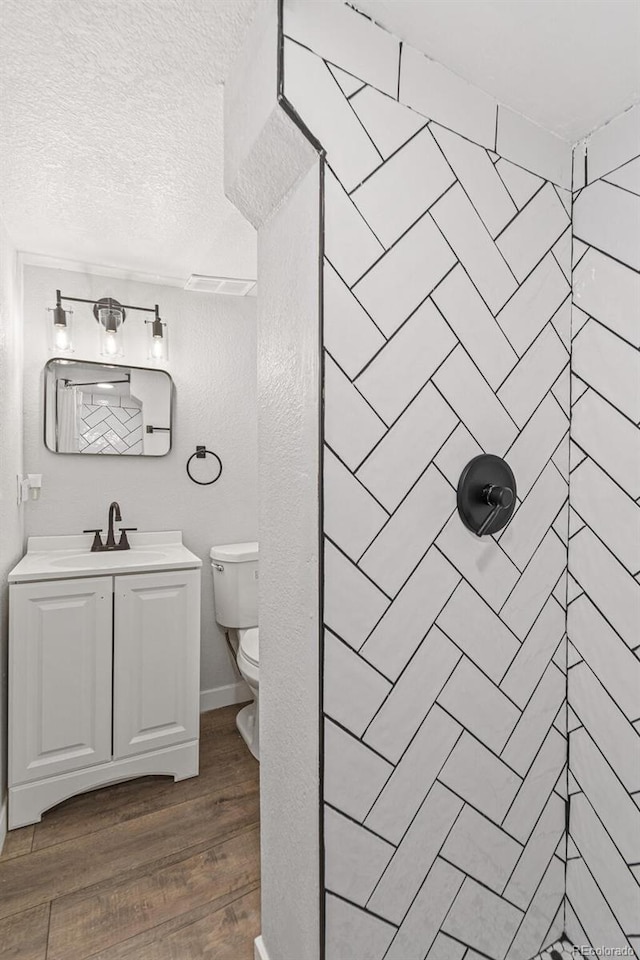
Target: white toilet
{"x":235,"y":594}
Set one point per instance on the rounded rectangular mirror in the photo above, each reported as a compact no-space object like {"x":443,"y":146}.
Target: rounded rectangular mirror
{"x":100,"y":408}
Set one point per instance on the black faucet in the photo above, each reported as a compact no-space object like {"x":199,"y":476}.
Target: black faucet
{"x":123,"y":543}
{"x":114,"y":511}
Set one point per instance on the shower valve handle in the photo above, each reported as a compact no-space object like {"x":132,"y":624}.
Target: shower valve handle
{"x":486,"y":494}
{"x":500,"y":498}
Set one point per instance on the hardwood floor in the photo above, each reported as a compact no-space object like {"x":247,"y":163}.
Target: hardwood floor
{"x":144,"y":870}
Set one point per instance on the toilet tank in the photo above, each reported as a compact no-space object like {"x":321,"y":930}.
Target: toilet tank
{"x":235,"y":583}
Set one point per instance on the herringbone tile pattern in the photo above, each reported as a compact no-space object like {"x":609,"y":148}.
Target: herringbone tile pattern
{"x":447,"y":333}
{"x":603,"y":876}
{"x":105,"y":428}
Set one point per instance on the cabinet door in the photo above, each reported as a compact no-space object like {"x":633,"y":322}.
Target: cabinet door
{"x":60,"y":655}
{"x":156,"y":660}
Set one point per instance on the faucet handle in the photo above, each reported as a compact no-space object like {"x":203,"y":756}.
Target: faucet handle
{"x":123,"y":542}
{"x":97,"y":540}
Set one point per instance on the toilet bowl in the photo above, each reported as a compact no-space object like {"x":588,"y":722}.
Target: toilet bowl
{"x":235,"y":590}
{"x":248,"y":719}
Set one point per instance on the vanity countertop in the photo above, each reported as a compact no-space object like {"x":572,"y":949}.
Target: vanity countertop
{"x":60,"y":558}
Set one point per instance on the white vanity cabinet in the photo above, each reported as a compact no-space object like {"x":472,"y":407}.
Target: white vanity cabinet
{"x":103,"y":684}
{"x":155,"y":661}
{"x":60,"y":676}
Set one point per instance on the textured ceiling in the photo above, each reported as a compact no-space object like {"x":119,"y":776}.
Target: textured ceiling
{"x":111,"y":133}
{"x":570,"y":65}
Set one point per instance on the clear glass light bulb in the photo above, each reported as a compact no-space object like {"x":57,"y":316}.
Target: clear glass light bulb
{"x":61,"y":337}
{"x":157,"y":340}
{"x":59,"y":332}
{"x":110,"y":343}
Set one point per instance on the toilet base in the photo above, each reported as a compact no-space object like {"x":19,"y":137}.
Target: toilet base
{"x":247,"y":724}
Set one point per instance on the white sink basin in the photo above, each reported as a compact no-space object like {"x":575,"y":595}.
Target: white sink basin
{"x":64,"y":557}
{"x":109,"y":558}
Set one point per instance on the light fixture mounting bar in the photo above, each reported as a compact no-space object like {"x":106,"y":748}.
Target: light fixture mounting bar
{"x":126,"y":306}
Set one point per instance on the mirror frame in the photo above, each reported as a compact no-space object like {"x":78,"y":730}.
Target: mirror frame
{"x":112,"y":366}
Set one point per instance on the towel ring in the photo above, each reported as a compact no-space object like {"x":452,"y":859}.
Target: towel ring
{"x":201,"y":452}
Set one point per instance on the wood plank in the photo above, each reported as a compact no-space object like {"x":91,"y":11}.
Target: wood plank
{"x":143,"y":870}
{"x":60,"y":869}
{"x":223,"y":738}
{"x":24,"y":936}
{"x":131,"y":949}
{"x":82,"y":925}
{"x":104,"y":886}
{"x":223,"y":761}
{"x":17,"y":843}
{"x":223,"y":719}
{"x":225,"y":934}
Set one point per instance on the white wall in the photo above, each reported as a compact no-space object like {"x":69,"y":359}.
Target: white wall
{"x":213,"y":364}
{"x":11,"y":532}
{"x":264,"y":151}
{"x":603,"y":895}
{"x":289,"y":425}
{"x":151,"y":391}
{"x":272,"y":175}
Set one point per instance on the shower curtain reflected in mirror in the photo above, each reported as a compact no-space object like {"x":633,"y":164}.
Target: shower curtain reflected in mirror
{"x":68,"y":401}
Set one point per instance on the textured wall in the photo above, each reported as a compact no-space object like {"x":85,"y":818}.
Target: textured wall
{"x":265,"y":154}
{"x":288,"y":390}
{"x":11,"y":531}
{"x":446,"y":332}
{"x":272,"y":174}
{"x":603,"y":873}
{"x":212,"y":358}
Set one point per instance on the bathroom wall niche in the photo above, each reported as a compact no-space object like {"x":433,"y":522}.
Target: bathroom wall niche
{"x":99,"y":408}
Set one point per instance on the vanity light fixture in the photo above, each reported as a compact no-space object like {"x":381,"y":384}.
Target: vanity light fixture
{"x":60,"y":330}
{"x":157,"y":336}
{"x":110,"y":316}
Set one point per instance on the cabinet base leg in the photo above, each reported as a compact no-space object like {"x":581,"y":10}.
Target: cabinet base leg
{"x":28,"y":801}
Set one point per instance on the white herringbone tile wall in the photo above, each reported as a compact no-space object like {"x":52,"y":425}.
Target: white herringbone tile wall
{"x":109,"y":427}
{"x":446,"y":333}
{"x":603,"y":870}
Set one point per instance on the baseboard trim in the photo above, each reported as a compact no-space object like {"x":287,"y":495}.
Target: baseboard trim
{"x":259,"y":949}
{"x":3,"y":822}
{"x":224,"y":696}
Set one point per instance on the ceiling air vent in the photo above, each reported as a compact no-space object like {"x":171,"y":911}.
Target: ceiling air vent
{"x":225,"y":285}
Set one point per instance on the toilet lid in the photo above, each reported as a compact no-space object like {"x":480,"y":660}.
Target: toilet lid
{"x":249,"y":645}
